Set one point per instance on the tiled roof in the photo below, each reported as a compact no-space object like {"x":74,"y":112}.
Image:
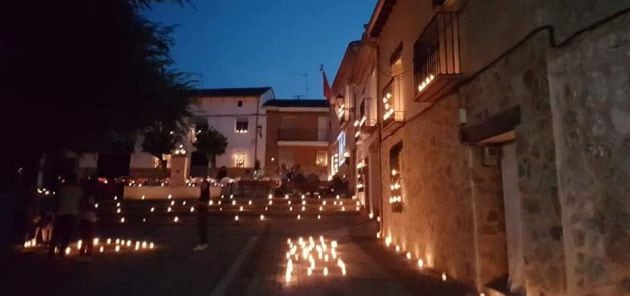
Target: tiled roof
{"x":231,"y":92}
{"x":296,"y":103}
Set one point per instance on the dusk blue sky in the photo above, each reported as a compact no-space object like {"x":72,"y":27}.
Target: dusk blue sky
{"x":249,"y":43}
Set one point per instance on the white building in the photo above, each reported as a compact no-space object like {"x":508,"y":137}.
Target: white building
{"x":236,"y":113}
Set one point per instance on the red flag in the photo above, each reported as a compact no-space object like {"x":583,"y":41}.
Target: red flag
{"x":328,"y":93}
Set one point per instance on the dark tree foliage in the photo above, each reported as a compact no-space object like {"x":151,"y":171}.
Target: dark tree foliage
{"x":159,"y":140}
{"x":83,"y":75}
{"x":209,"y":141}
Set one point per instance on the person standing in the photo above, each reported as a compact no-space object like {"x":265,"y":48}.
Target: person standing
{"x":70,"y":195}
{"x":87,"y":219}
{"x":202,"y":216}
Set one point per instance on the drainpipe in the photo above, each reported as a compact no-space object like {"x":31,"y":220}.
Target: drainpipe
{"x":256,"y":132}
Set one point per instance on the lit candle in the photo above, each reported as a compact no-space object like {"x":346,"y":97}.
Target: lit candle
{"x":152,"y":209}
{"x":117,"y":248}
{"x":96,"y":205}
{"x":115,"y":197}
{"x":172,"y":203}
{"x":183,"y":203}
{"x":118,"y":210}
{"x":241,"y":208}
{"x":68,"y":250}
{"x":122,"y":220}
{"x":95,"y":241}
{"x":266,"y":208}
{"x":249,"y":203}
{"x":262,"y":217}
{"x":420,"y":263}
{"x":408,"y":256}
{"x":168,"y":209}
{"x":299,"y":217}
{"x":170,"y":196}
{"x":143,"y":197}
{"x":270,"y":196}
{"x":192,"y":209}
{"x":236,"y":218}
{"x":176,"y":219}
{"x":397,"y":248}
{"x":444,"y":277}
{"x":309,"y":272}
{"x":151,"y":246}
{"x":101,"y":249}
{"x":118,"y":205}
{"x":290,"y":209}
{"x":129,"y":243}
{"x":303,"y":208}
{"x":270,"y":202}
{"x":325,"y":271}
{"x":319,"y":217}
{"x":233,"y":202}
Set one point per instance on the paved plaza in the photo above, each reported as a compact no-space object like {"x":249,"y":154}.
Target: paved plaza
{"x":245,"y":257}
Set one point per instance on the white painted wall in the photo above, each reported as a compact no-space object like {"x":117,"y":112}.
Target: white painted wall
{"x":222,"y":113}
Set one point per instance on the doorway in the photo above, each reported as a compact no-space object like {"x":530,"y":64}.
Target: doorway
{"x":513,"y":222}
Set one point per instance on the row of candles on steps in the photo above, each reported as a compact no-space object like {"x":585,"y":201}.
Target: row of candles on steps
{"x":234,"y":203}
{"x":117,"y":243}
{"x":314,"y":254}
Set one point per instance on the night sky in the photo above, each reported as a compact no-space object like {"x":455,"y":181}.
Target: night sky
{"x":248,"y":43}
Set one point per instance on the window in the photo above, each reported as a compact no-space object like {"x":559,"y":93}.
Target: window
{"x":395,"y":177}
{"x":241,"y":125}
{"x":341,"y":139}
{"x":321,"y":159}
{"x":239,"y":103}
{"x":392,"y":94}
{"x":239,"y":160}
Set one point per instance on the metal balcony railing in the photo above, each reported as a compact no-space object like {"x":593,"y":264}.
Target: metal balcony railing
{"x":437,"y":56}
{"x":302,"y":134}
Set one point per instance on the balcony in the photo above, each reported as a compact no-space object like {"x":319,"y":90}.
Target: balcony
{"x":393,"y":115}
{"x":437,"y":58}
{"x":364,"y":128}
{"x":303,"y":135}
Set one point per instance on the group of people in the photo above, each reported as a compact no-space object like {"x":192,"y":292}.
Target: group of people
{"x":53,"y":219}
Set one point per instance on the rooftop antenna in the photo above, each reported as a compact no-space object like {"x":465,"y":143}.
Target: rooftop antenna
{"x":305,"y":75}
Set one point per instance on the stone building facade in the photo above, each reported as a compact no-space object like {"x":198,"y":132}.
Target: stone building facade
{"x":503,"y":130}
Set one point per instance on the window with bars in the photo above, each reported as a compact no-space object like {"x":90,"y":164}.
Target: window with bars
{"x":242,"y":125}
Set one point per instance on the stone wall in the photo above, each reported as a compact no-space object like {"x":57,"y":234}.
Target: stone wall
{"x":521,"y":79}
{"x":590,"y":90}
{"x":436,"y":223}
